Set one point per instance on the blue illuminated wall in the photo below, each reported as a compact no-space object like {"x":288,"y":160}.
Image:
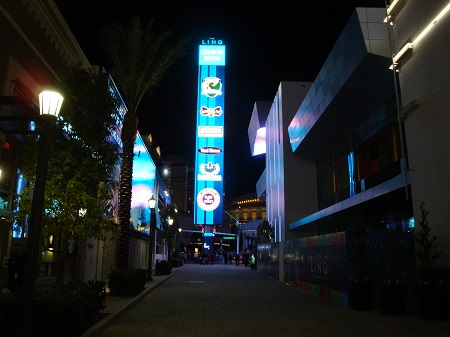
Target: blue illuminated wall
{"x":208,"y":193}
{"x":144,"y":187}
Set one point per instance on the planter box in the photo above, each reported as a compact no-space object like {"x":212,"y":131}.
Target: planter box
{"x":393,"y":299}
{"x":434,"y":303}
{"x":360,"y":296}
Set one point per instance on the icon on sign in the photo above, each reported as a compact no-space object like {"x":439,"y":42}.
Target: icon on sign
{"x":209,"y":172}
{"x":211,"y":87}
{"x":208,"y":199}
{"x":211,"y":112}
{"x":210,"y":150}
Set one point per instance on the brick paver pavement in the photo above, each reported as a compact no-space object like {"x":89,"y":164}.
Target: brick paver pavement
{"x":224,"y":300}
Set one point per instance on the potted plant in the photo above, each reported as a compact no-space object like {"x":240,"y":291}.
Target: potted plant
{"x":393,"y":290}
{"x":432,"y":293}
{"x":360,"y":292}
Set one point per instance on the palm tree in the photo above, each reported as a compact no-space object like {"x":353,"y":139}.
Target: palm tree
{"x":139,"y":60}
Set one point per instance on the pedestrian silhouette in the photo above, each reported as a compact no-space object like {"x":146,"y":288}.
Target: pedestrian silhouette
{"x":246,"y":258}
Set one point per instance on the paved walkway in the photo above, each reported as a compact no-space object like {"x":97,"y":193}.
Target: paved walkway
{"x":224,"y":300}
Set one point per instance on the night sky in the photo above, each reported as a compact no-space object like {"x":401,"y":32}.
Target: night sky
{"x":267,"y":42}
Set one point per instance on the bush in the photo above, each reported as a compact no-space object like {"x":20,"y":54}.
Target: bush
{"x":128,"y":282}
{"x":176,"y":262}
{"x":9,"y":311}
{"x":70,"y":312}
{"x":67,"y":313}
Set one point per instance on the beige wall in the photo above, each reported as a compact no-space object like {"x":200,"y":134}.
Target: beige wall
{"x":424,"y":76}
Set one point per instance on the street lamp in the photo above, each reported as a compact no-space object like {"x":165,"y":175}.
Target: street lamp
{"x":170,"y":238}
{"x":238,"y":231}
{"x":151,"y":239}
{"x":49,"y":104}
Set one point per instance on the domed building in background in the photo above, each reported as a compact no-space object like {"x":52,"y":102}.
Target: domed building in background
{"x":248,"y":212}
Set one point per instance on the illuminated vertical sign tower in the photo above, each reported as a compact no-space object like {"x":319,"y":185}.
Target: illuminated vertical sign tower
{"x":210,"y":137}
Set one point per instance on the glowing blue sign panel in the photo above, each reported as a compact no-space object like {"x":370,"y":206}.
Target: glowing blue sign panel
{"x":144,"y":176}
{"x":209,"y":151}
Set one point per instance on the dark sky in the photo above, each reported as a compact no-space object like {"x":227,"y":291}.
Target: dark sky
{"x":267,"y":42}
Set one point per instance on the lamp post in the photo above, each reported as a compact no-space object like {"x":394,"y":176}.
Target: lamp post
{"x":151,"y":239}
{"x":50,"y":104}
{"x":238,"y":231}
{"x":170,"y":238}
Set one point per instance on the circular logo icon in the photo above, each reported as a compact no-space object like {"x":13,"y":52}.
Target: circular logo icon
{"x":211,"y":87}
{"x":208,"y":199}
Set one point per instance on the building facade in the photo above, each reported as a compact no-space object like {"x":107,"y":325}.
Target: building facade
{"x":178,"y":177}
{"x":331,"y":141}
{"x":38,"y":51}
{"x":370,"y":144}
{"x":336,"y":157}
{"x":422,"y":45}
{"x":243,"y":216}
{"x":348,"y":125}
{"x":282,"y":167}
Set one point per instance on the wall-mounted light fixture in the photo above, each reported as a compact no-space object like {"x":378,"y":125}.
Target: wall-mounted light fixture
{"x":410,"y":45}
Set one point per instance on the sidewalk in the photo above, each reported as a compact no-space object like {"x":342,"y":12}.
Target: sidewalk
{"x":115,"y":306}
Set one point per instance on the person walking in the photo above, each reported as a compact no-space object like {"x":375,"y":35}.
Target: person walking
{"x":253,"y":261}
{"x":237,"y":259}
{"x":246,"y":258}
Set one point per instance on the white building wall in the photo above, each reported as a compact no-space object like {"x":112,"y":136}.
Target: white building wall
{"x":424,"y":76}
{"x":291,"y":181}
{"x":94,"y":260}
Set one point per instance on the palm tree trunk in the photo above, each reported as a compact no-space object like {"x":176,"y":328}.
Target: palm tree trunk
{"x":128,"y":136}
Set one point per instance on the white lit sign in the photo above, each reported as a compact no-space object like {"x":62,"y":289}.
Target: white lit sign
{"x":209,"y":172}
{"x":211,"y":55}
{"x":210,"y":131}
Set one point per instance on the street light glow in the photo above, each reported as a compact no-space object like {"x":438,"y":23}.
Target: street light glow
{"x":152,"y":203}
{"x":50,"y":103}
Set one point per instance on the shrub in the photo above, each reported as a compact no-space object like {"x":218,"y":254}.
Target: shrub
{"x":176,"y":262}
{"x":427,"y":248}
{"x":70,"y":312}
{"x":9,"y":311}
{"x":67,"y":313}
{"x":128,"y":282}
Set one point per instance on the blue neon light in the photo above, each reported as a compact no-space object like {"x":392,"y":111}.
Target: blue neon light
{"x":209,"y":151}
